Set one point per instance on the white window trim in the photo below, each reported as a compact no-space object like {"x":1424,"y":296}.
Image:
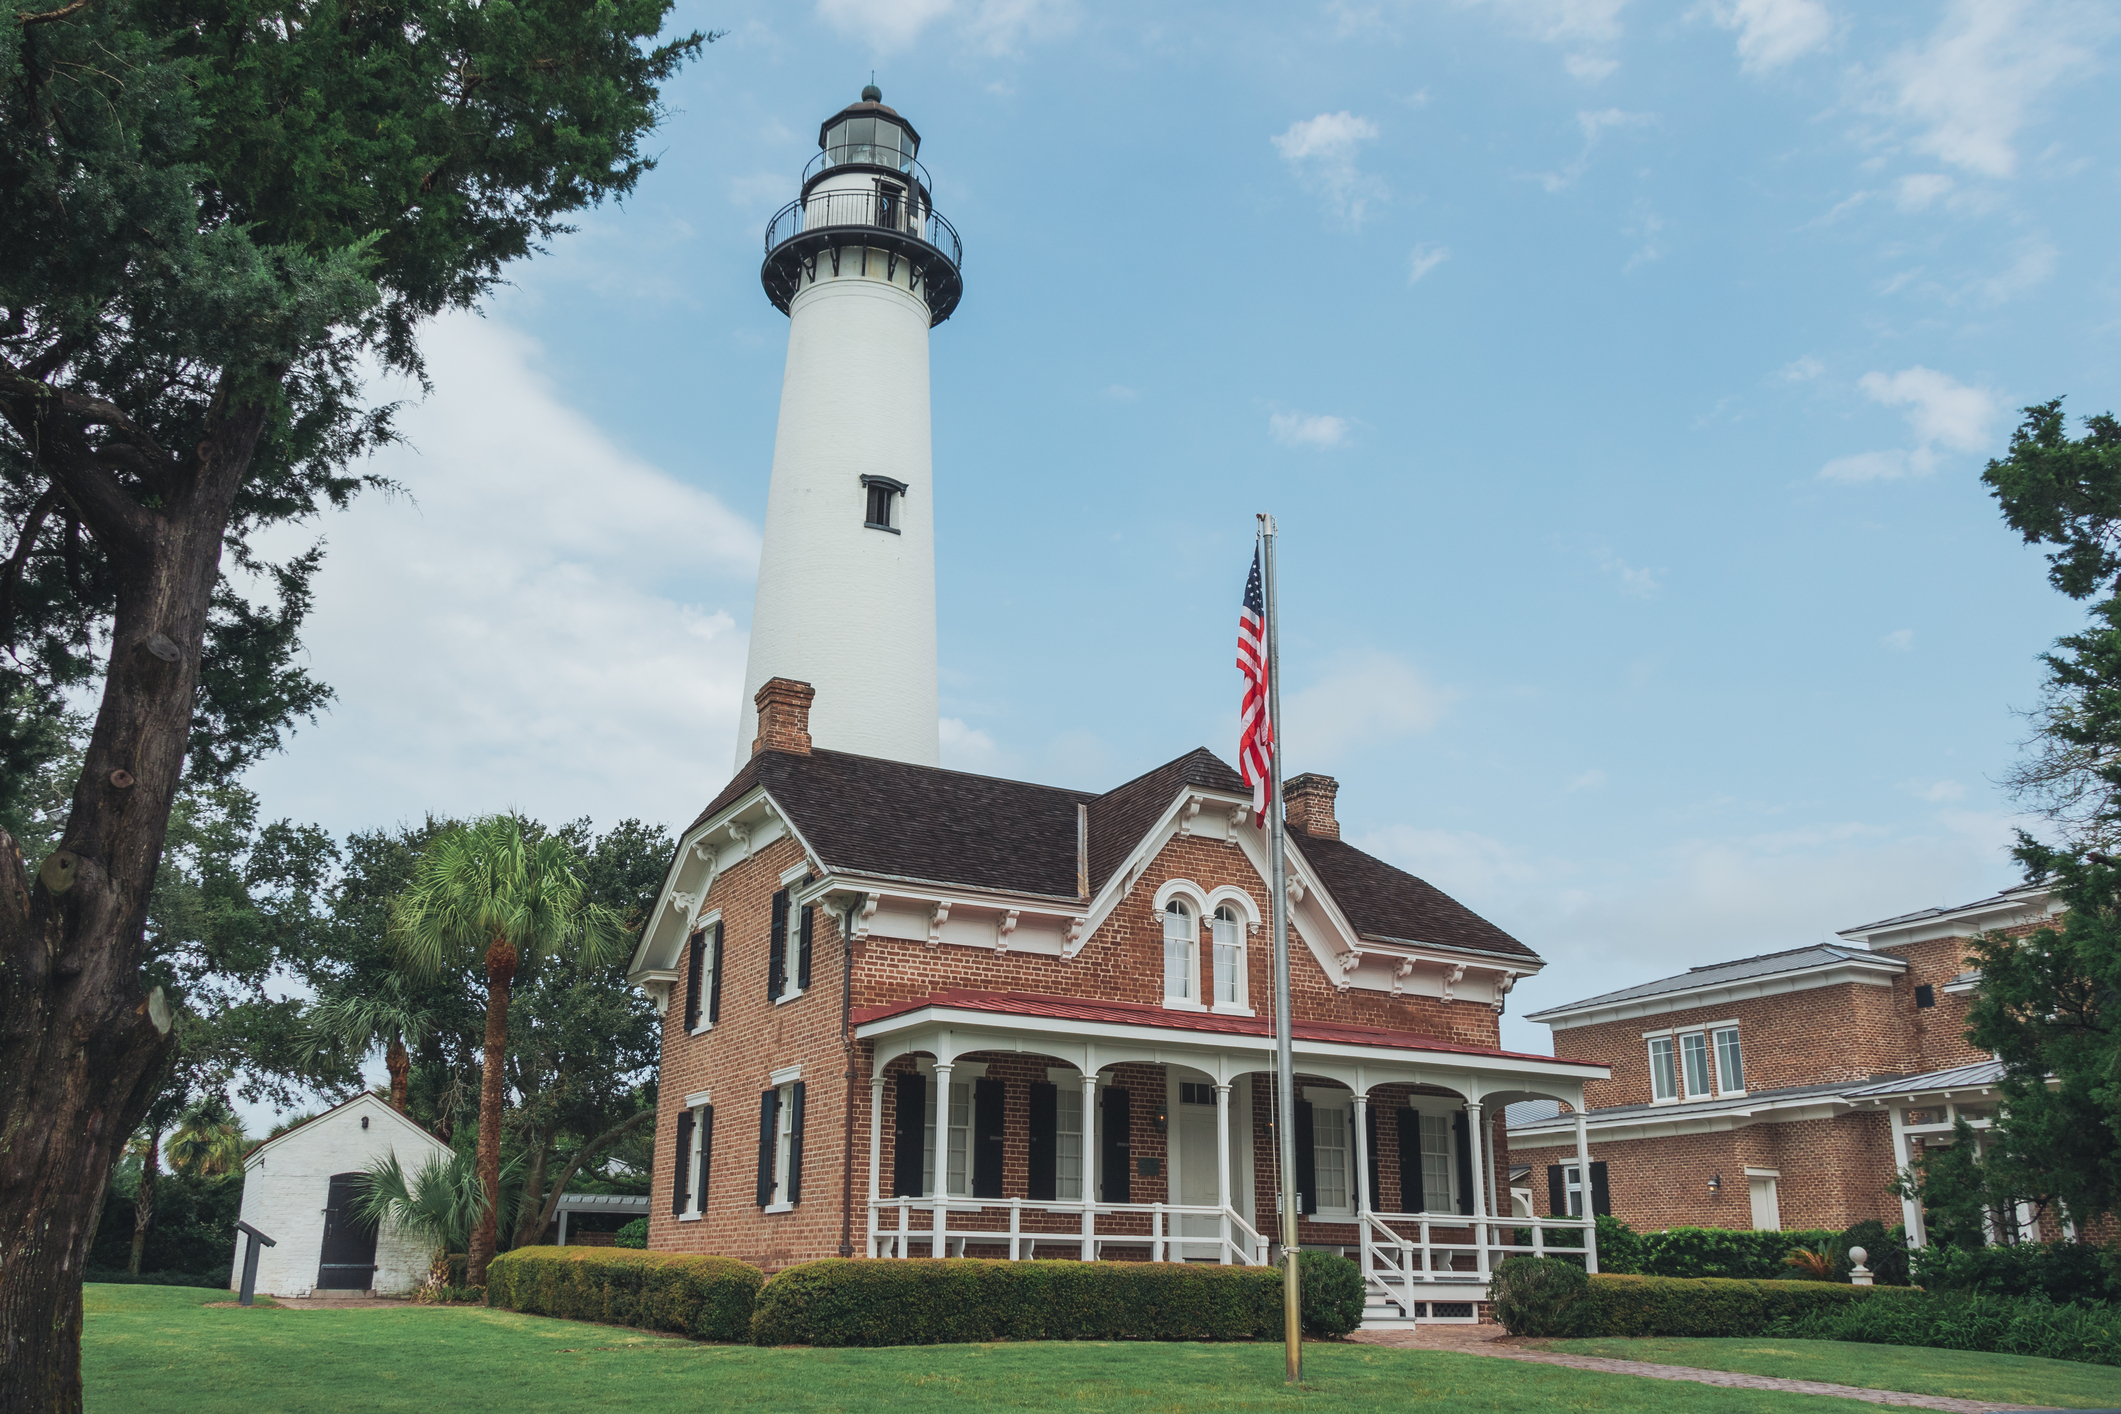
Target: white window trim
{"x":1341,"y":1103}
{"x":1436,"y":1108}
{"x":705,"y":924}
{"x":1650,"y":1051}
{"x":786,"y":1075}
{"x":1239,"y":903}
{"x":793,"y":875}
{"x":695,"y":1208}
{"x":783,"y":1080}
{"x":788,"y":996}
{"x":1708,"y":1069}
{"x":1191,"y":902}
{"x":1716,"y":1055}
{"x":1572,"y":1187}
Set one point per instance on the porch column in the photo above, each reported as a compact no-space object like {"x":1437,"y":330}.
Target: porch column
{"x":1222,"y":1166}
{"x":563,"y":1225}
{"x":1089,"y":1163}
{"x":1362,"y":1162}
{"x":1910,"y":1210}
{"x":1480,"y":1190}
{"x":1583,"y":1184}
{"x":876,"y":1158}
{"x":1495,"y":1204}
{"x":941,"y":1110}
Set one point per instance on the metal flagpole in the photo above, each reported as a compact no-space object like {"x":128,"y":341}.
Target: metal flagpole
{"x":1284,"y":1053}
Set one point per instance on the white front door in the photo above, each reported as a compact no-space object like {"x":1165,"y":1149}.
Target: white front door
{"x":1767,"y":1213}
{"x":1196,"y":1170}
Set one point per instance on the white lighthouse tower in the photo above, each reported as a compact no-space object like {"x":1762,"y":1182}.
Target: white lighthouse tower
{"x":863,"y":267}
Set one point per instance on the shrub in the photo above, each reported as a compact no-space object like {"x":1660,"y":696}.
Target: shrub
{"x":1968,"y":1321}
{"x":1331,"y":1289}
{"x":707,"y":1298}
{"x":1699,"y":1306}
{"x":931,"y":1301}
{"x":1533,"y":1295}
{"x":2060,"y":1271}
{"x":214,"y":1281}
{"x":633,"y":1234}
{"x":1620,"y":1247}
{"x":1885,"y":1252}
{"x":1724,"y":1252}
{"x":1813,"y":1263}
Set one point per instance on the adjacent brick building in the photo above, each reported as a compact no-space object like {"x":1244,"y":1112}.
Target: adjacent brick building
{"x":1780,"y":1091}
{"x":1081,"y":984}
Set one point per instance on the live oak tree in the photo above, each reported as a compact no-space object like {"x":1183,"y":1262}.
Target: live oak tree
{"x":214,"y":214}
{"x":2049,"y":1005}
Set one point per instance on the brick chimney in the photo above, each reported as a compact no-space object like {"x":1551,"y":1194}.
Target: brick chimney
{"x":1307,"y":804}
{"x":784,"y":716}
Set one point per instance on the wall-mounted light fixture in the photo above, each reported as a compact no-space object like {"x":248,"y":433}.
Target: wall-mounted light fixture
{"x":1160,"y":1121}
{"x":364,"y":1121}
{"x":1716,"y":1183}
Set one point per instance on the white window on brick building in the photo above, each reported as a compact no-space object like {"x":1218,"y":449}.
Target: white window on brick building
{"x":1332,"y":1127}
{"x":1068,"y":1143}
{"x":1694,"y":1057}
{"x":1181,"y":953}
{"x":1730,"y":1062}
{"x":1664,"y":1070}
{"x":1229,"y":957}
{"x":1572,"y":1184}
{"x":1436,"y":1167}
{"x":960,"y":1133}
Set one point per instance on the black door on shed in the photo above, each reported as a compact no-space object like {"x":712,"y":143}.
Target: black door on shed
{"x":348,"y":1262}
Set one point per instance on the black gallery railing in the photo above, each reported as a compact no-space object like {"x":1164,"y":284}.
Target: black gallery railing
{"x":859,"y":210}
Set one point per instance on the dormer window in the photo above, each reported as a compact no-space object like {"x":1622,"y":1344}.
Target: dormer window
{"x":1181,"y":953}
{"x":880,"y":497}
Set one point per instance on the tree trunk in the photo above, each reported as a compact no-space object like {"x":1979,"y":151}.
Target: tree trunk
{"x":500,"y":972}
{"x":144,"y":1198}
{"x":81,"y":1048}
{"x":532,"y":1199}
{"x":400,"y":1072}
{"x":596,"y":1146}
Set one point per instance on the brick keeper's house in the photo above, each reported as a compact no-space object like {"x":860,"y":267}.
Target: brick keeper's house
{"x":910,"y":1011}
{"x":1781,"y":1091}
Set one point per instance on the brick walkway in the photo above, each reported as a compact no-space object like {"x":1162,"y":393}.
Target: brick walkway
{"x":1490,"y":1340}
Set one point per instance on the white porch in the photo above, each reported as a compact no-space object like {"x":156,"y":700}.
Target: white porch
{"x":1217,"y":1195}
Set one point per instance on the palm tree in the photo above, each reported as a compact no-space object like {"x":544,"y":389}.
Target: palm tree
{"x":208,"y":1140}
{"x":493,"y":892}
{"x":443,"y":1203}
{"x":390,"y":1018}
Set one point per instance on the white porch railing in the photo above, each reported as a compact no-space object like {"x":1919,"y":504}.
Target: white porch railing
{"x":952,"y":1223}
{"x":1404,"y":1268}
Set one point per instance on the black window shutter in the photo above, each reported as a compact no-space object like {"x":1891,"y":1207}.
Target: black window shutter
{"x":1118,"y":1146}
{"x":1601,"y":1196}
{"x":681,"y":1169}
{"x":777,"y":949}
{"x":699,"y":1181}
{"x":696,"y":954}
{"x":1410,"y":1195}
{"x":908,"y":1132}
{"x":1557,"y":1191}
{"x":795,"y":1144}
{"x":1043,"y":1180}
{"x":987,"y":1138}
{"x":1306,"y":1160}
{"x":802,"y":951}
{"x":1377,"y":1200}
{"x":714,"y":980}
{"x":769,"y":1112}
{"x":1461,"y":1135}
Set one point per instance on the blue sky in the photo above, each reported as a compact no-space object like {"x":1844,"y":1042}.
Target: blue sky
{"x":1620,"y":374}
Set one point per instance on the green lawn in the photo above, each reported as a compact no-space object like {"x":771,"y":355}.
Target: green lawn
{"x":1961,"y":1374}
{"x":156,"y":1349}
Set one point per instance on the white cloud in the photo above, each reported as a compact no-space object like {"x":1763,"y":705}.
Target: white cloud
{"x":1462,"y":863}
{"x":1364,"y":698}
{"x":1588,"y":780}
{"x":1936,"y":792}
{"x":1969,"y":88}
{"x":994,"y":26}
{"x":529,"y":632}
{"x":1635,"y":583}
{"x":1121,"y":393}
{"x":1590,"y":67}
{"x":967,"y":748}
{"x":1900,"y":640}
{"x":1918,"y":191}
{"x":1940,"y":410}
{"x":1559,"y":21}
{"x":1939,"y":407}
{"x":1322,"y":152}
{"x":1647,"y":227}
{"x":1296,"y":429}
{"x":1594,"y":125}
{"x":1424,"y":258}
{"x":1802,"y":370}
{"x":1773,"y":32}
{"x":2032,"y":262}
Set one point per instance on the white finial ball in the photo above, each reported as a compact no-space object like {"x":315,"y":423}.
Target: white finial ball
{"x":1857,"y":1256}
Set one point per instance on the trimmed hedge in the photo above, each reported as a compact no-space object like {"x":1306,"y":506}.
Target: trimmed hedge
{"x":2059,"y":1271}
{"x":1552,"y":1297}
{"x":707,"y":1298}
{"x":1969,"y":1321}
{"x":843,"y":1301}
{"x":633,"y":1235}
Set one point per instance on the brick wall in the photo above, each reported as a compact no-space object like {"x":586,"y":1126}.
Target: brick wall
{"x":1935,"y":1037}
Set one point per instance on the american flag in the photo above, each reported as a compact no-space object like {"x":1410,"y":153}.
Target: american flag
{"x":1256,"y":744}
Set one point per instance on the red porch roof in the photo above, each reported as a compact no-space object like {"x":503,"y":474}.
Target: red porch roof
{"x":1137,"y":1014}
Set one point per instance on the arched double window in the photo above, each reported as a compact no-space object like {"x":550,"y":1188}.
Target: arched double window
{"x":1229,"y":957}
{"x":1181,"y":953}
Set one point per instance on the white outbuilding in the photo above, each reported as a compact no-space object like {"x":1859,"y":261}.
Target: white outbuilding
{"x":297,"y":1190}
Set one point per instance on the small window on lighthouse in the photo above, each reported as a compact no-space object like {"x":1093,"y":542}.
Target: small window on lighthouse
{"x":881,"y":497}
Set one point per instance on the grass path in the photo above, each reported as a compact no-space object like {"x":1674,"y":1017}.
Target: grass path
{"x":1956,"y":1374}
{"x":162,"y":1350}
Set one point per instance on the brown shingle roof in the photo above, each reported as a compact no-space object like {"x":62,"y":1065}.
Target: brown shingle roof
{"x":1390,"y":904}
{"x":1121,"y":816}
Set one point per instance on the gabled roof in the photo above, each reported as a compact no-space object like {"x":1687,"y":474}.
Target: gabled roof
{"x":1959,"y":1077}
{"x":1391,"y":905}
{"x":1739,"y":970}
{"x":2024,"y":896}
{"x":1121,"y":816}
{"x":365,"y":1098}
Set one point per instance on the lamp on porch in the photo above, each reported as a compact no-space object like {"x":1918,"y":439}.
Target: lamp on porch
{"x":1716,"y":1183}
